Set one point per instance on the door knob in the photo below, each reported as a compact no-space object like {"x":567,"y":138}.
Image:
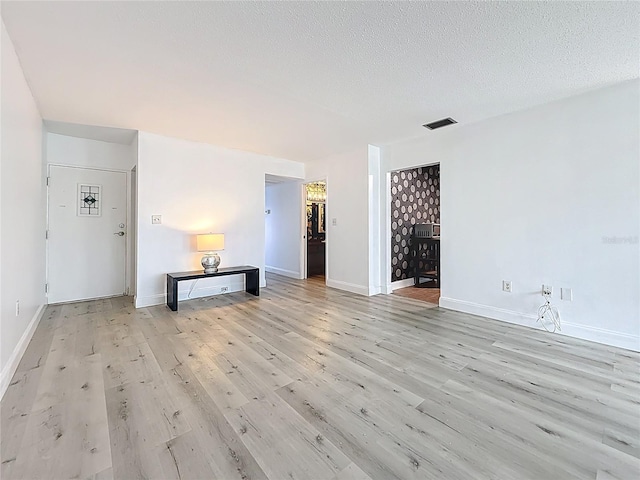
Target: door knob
{"x":120,"y":234}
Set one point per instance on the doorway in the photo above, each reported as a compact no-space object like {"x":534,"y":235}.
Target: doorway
{"x":86,"y":233}
{"x":316,"y":233}
{"x":415,"y":233}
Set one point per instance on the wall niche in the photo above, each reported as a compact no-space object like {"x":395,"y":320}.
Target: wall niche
{"x":415,"y":198}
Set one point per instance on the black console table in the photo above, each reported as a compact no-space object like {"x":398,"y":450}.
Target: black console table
{"x":252,"y":281}
{"x":426,"y":258}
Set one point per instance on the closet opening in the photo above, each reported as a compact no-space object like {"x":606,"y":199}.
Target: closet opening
{"x":415,"y":233}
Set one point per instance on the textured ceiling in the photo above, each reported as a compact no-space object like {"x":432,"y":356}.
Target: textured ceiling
{"x":303,"y":80}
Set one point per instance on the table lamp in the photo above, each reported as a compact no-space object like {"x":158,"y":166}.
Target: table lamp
{"x":209,"y":243}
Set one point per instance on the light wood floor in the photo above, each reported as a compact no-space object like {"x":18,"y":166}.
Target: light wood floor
{"x":307,"y":382}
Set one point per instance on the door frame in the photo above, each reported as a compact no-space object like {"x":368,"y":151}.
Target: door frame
{"x":131,"y":252}
{"x":303,"y":225}
{"x":388,"y":286}
{"x":128,"y":221}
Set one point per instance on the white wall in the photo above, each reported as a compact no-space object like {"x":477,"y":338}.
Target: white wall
{"x":347,"y":202}
{"x":22,"y":207}
{"x":83,"y":152}
{"x":199,"y":188}
{"x":535,"y":197}
{"x":88,"y":153}
{"x":283,"y":227}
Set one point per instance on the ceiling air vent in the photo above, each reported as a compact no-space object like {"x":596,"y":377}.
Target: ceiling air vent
{"x":440,"y":123}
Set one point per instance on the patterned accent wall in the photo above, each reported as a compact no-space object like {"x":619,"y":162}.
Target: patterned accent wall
{"x":415,"y":198}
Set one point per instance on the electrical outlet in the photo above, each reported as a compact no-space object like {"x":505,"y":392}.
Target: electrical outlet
{"x":506,"y":286}
{"x":334,"y":222}
{"x":566,"y":294}
{"x":17,"y":308}
{"x":224,"y":289}
{"x":547,"y":290}
{"x":156,"y":219}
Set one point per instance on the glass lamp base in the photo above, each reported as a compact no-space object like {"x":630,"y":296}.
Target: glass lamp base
{"x":210,"y":262}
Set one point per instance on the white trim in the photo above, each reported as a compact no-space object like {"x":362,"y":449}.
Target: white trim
{"x":303,"y":237}
{"x":349,"y":287}
{"x":601,"y":335}
{"x":487,"y":311}
{"x":150,"y":300}
{"x":374,"y":205}
{"x":14,"y":360}
{"x":374,"y":290}
{"x":407,"y":282}
{"x":584,"y":332}
{"x":390,"y":287}
{"x":386,"y":270}
{"x":303,"y":231}
{"x":283,"y":272}
{"x":87,"y":299}
{"x":132,"y":228}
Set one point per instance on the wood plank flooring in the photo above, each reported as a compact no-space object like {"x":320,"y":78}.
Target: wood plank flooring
{"x":307,"y":382}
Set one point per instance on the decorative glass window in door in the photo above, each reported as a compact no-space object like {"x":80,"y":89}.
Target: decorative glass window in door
{"x":89,"y":201}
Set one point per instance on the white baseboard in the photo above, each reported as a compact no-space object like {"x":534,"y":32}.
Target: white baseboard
{"x":283,"y":272}
{"x":601,"y":335}
{"x":14,"y":360}
{"x":374,"y":290}
{"x":488,"y":311}
{"x":386,"y":289}
{"x":349,"y":287}
{"x":390,"y":287}
{"x":407,"y":282}
{"x":150,"y":300}
{"x":584,"y":332}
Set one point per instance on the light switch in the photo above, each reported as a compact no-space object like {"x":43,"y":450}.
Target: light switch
{"x":334,"y":221}
{"x":156,"y":219}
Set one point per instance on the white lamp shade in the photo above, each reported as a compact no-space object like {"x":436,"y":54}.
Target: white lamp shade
{"x":210,"y":242}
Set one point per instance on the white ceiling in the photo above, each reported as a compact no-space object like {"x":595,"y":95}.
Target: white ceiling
{"x":303,"y":80}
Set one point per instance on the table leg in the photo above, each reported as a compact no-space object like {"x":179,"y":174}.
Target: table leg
{"x":438,"y":280}
{"x":253,"y":282}
{"x":172,"y":293}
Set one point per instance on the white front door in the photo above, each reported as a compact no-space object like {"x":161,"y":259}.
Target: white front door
{"x":86,"y":233}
